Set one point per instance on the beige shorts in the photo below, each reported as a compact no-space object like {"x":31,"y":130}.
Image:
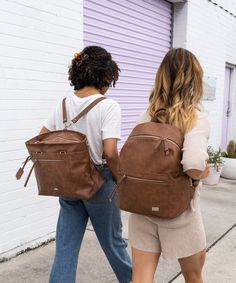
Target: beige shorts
{"x":177,"y":238}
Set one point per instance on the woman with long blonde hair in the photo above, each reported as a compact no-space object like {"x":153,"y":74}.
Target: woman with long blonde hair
{"x":178,"y":88}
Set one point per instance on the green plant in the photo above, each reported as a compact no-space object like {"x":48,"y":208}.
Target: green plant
{"x":231,"y":150}
{"x":215,"y":157}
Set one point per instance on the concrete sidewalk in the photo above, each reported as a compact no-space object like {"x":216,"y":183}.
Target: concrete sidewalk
{"x":219,"y":214}
{"x":220,"y":265}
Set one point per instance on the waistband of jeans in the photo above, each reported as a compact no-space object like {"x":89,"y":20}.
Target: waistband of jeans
{"x":101,"y":166}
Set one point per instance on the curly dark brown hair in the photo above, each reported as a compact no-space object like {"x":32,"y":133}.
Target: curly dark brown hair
{"x":93,"y":67}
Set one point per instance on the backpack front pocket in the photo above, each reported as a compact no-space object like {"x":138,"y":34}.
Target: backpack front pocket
{"x":52,"y":172}
{"x":144,"y":196}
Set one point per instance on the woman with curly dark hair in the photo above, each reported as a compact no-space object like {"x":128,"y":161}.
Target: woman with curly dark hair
{"x":91,"y":73}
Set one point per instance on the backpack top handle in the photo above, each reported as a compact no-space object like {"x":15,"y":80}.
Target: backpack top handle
{"x":160,"y":114}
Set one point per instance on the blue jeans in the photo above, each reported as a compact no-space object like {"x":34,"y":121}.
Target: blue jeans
{"x":106,"y":220}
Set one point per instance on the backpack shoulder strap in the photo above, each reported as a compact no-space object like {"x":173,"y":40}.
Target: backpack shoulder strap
{"x":87,"y":109}
{"x":82,"y":113}
{"x":64,"y":114}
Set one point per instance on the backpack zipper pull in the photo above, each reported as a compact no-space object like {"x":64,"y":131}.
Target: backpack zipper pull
{"x":20,"y":171}
{"x":112,"y":194}
{"x":166,"y":148}
{"x":27,"y":179}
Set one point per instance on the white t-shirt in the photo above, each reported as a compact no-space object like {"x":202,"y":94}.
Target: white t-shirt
{"x":100,"y":123}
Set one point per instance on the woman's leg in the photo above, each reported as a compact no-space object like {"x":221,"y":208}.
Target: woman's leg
{"x":106,"y":220}
{"x":71,"y":226}
{"x":144,"y":266}
{"x":192,"y":267}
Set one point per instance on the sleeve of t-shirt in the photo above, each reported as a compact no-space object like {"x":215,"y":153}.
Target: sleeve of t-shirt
{"x":50,"y":123}
{"x":111,"y":122}
{"x":195,"y":145}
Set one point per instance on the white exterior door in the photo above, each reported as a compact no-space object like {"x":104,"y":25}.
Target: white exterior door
{"x":228,"y":109}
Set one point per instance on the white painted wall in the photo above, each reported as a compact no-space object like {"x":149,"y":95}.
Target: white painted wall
{"x":228,"y":5}
{"x":37,"y":42}
{"x":211,"y":35}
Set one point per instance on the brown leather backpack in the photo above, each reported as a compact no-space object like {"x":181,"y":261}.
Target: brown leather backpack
{"x":62,"y":163}
{"x":153,"y":182}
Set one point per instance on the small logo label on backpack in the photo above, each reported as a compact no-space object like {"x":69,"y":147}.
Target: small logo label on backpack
{"x":155,"y":208}
{"x":55,"y":189}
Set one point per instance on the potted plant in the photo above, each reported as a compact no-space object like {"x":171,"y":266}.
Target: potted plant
{"x":216,"y":163}
{"x":229,"y":158}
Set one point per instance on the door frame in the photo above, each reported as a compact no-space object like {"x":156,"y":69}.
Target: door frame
{"x":228,"y":127}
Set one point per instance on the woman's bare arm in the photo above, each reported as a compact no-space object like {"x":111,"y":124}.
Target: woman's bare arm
{"x":111,"y":155}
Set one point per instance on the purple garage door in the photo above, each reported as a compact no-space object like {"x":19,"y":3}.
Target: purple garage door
{"x":138,"y":34}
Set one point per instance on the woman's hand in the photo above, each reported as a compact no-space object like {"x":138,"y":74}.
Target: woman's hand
{"x":198,"y":174}
{"x":206,"y":172}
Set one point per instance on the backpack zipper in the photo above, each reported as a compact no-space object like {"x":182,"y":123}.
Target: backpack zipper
{"x":132,"y":178}
{"x":60,"y":138}
{"x":154,"y":137}
{"x":52,"y":160}
{"x":145,"y":180}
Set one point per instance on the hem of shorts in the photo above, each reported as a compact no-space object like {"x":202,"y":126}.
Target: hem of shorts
{"x":174,"y":257}
{"x":182,"y":255}
{"x":144,"y":250}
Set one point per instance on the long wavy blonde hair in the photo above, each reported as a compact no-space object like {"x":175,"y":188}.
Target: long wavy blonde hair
{"x":179,"y":88}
